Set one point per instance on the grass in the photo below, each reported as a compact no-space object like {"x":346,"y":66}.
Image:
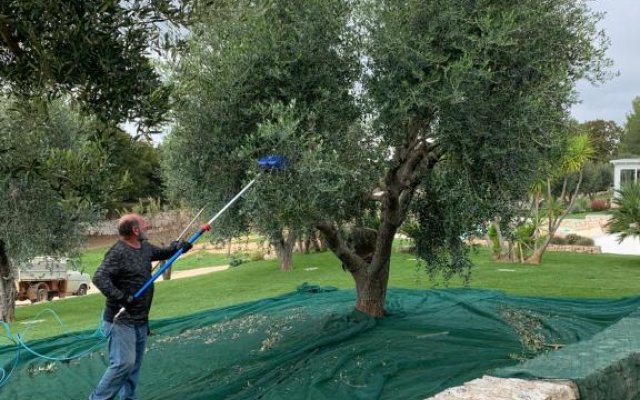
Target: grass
{"x":583,"y":215}
{"x":562,"y":275}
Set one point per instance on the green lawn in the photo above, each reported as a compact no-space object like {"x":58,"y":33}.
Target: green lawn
{"x":562,"y":274}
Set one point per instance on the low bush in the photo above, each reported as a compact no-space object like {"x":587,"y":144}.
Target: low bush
{"x":581,"y":204}
{"x":585,"y":241}
{"x":577,"y":240}
{"x":558,"y":240}
{"x":572,"y":238}
{"x":237,"y":258}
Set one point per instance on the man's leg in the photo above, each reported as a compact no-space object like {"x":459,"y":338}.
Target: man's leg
{"x":122,"y":344}
{"x":128,"y":391}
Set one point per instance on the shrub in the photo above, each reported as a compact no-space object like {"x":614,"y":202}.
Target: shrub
{"x":558,"y":240}
{"x":599,"y":205}
{"x":581,"y":204}
{"x":256,"y":256}
{"x":572,"y":238}
{"x":236,"y":259}
{"x":577,"y":240}
{"x":584,"y":241}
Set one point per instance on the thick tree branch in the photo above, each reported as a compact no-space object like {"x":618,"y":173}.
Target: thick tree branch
{"x":338,"y":246}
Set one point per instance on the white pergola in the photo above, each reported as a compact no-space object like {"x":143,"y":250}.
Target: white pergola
{"x":625,"y":171}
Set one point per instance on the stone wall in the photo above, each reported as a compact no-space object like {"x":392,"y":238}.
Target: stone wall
{"x":575,"y":249}
{"x":553,"y":247}
{"x":162,"y":221}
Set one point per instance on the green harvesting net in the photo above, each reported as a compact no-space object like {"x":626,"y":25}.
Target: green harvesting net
{"x":310,"y":344}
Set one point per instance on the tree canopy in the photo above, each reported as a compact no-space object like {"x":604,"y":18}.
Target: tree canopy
{"x":96,"y":50}
{"x":605,"y":138}
{"x":53,"y":175}
{"x":630,"y":141}
{"x":454,"y":94}
{"x":263,"y":78}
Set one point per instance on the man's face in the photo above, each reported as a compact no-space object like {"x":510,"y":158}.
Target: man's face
{"x":141,"y":230}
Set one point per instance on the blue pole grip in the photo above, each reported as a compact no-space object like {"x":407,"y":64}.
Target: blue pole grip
{"x":168,"y":264}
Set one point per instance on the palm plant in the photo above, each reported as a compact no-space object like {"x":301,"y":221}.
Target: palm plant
{"x":626,"y":216}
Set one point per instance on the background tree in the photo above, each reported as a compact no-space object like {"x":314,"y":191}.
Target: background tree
{"x":137,"y":159}
{"x":630,"y":141}
{"x":94,"y":54}
{"x":52,"y":178}
{"x":555,"y":208}
{"x":96,"y":50}
{"x":597,"y":177}
{"x":605,"y":138}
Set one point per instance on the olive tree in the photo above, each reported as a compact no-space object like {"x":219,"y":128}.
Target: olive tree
{"x":96,"y":56}
{"x":459,"y":101}
{"x":52,"y":178}
{"x":473,"y":90}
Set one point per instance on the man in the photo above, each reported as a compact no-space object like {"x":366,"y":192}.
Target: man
{"x":125,"y":269}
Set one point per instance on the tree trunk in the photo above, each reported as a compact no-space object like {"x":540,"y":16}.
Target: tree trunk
{"x":536,"y":257}
{"x":506,"y":250}
{"x":7,"y":287}
{"x":284,"y":250}
{"x":166,"y":275}
{"x":371,"y":291}
{"x":554,"y":222}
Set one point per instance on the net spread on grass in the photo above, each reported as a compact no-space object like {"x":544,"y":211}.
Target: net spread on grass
{"x":311,"y":344}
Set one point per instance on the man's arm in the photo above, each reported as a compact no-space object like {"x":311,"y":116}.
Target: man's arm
{"x":163,"y":253}
{"x":103,"y":278}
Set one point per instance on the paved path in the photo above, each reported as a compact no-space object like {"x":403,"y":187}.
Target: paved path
{"x":594,"y":227}
{"x":609,"y":244}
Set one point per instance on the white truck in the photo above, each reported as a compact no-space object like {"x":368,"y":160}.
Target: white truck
{"x":43,"y":278}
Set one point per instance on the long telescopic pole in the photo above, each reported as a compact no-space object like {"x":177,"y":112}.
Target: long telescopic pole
{"x":192,"y":239}
{"x":161,"y":263}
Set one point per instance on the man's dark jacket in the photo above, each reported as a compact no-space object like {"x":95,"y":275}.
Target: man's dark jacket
{"x":123,"y":271}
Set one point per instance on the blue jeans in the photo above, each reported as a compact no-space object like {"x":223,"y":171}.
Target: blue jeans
{"x":126,"y":348}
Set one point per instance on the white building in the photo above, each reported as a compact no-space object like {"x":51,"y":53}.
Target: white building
{"x":625,"y":171}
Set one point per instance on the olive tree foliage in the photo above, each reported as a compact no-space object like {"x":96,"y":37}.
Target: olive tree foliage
{"x":96,"y":50}
{"x":460,"y":100}
{"x":53,"y":177}
{"x":270,"y":77}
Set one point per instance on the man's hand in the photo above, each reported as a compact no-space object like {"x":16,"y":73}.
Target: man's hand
{"x":128,"y":301}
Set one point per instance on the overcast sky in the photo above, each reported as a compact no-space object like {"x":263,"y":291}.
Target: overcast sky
{"x":612,"y":100}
